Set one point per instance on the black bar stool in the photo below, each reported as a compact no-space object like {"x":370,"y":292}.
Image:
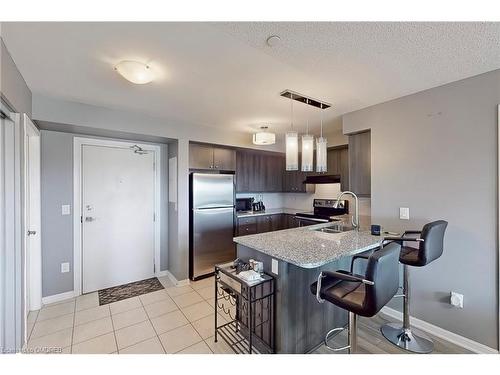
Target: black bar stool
{"x":430,"y":248}
{"x":360,"y":295}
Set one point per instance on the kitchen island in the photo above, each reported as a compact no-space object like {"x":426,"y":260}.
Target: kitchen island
{"x":295,"y":257}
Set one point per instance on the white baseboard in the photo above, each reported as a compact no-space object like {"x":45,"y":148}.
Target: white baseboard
{"x":162,"y":274}
{"x":58,"y":297}
{"x":422,"y":325}
{"x":174,"y":280}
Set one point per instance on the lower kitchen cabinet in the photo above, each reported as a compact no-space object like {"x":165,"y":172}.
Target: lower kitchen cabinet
{"x":291,"y":221}
{"x":247,"y":225}
{"x":265,"y":223}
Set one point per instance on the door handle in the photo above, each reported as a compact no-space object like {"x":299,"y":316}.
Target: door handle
{"x":89,"y":218}
{"x":31,"y":232}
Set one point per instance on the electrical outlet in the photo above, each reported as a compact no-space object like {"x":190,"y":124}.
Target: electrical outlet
{"x":404,"y":213}
{"x":274,"y":266}
{"x":64,"y":267}
{"x":65,"y":209}
{"x":457,"y":300}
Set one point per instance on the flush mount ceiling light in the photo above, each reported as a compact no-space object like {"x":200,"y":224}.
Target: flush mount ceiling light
{"x":264,"y":137}
{"x":135,"y":72}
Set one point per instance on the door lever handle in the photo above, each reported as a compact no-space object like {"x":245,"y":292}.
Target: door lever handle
{"x":89,"y":219}
{"x":31,"y":232}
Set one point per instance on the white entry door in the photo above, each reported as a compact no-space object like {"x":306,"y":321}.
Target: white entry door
{"x":118,"y":196}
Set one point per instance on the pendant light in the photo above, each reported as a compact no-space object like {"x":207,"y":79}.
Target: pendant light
{"x":292,"y":144}
{"x":321,"y":149}
{"x":307,"y":149}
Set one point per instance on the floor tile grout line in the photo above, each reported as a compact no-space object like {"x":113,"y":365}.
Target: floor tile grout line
{"x":152,"y":325}
{"x":114,"y":331}
{"x":73,"y":329}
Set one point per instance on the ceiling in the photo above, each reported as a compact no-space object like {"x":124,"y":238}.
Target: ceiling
{"x":225,"y":75}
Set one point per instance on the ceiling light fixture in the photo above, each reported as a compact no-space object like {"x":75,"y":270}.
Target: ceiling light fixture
{"x":264,"y":137}
{"x":307,"y":149}
{"x":292,"y":144}
{"x":321,"y":149}
{"x":135,"y":72}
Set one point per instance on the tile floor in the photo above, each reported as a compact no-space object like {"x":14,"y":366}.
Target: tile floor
{"x":172,"y":320}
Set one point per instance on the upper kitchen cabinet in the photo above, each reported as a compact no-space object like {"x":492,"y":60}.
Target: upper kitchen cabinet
{"x":293,"y":182}
{"x":338,"y":164}
{"x":360,"y":163}
{"x":210,"y":157}
{"x":258,"y":171}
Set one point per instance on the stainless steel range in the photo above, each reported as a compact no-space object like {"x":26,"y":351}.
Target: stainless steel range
{"x":323,"y":212}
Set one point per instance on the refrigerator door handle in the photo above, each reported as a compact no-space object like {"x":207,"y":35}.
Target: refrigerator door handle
{"x":214,"y":208}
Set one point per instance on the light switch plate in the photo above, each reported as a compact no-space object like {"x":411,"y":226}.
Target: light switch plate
{"x":65,"y":209}
{"x":274,"y":266}
{"x":404,"y":213}
{"x":64,"y":267}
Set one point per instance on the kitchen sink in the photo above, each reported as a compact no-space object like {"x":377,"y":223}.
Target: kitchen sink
{"x":335,"y":228}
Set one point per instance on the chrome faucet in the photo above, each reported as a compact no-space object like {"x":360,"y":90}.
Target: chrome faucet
{"x":355,"y":217}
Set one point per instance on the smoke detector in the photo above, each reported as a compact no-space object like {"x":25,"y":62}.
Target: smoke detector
{"x":273,"y":41}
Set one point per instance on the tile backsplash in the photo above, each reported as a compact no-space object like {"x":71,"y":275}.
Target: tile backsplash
{"x":304,"y":201}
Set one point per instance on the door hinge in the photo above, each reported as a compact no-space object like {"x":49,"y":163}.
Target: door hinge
{"x":154,"y":268}
{"x":81,"y":219}
{"x":154,"y":216}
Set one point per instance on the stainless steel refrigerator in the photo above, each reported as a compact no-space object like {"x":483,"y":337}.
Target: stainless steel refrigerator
{"x":212,"y":220}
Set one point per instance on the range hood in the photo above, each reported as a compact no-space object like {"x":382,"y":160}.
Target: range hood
{"x":323,"y":179}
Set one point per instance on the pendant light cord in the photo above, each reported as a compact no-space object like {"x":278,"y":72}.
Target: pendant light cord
{"x":307,"y":120}
{"x":321,"y":120}
{"x":291,"y":111}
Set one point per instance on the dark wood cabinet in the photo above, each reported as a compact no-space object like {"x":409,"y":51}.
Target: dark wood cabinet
{"x":360,"y":164}
{"x":259,"y":172}
{"x":338,"y":164}
{"x":264,"y":223}
{"x":224,"y":159}
{"x":247,"y":225}
{"x":210,"y":157}
{"x":291,"y":221}
{"x":293,"y":182}
{"x":201,"y":156}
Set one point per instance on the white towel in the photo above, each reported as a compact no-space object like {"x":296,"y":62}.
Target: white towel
{"x":249,"y":275}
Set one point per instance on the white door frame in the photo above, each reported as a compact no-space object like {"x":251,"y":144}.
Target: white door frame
{"x":498,"y":219}
{"x":31,"y":220}
{"x":78,"y":142}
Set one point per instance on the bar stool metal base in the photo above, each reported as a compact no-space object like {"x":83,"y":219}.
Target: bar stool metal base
{"x":406,"y":339}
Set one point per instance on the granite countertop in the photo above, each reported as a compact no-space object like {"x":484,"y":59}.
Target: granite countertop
{"x":307,"y":248}
{"x":271,"y":211}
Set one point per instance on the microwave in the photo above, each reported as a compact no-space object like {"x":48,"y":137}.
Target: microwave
{"x":244,"y":204}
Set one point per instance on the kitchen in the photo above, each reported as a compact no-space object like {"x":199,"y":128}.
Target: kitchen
{"x":316,"y":210}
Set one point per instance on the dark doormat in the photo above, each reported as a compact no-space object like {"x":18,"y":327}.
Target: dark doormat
{"x":117,"y":293}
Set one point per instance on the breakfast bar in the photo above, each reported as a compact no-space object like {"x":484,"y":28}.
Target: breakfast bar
{"x":295,"y":257}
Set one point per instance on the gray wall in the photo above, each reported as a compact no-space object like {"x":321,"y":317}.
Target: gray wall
{"x":57,"y":230}
{"x":436,"y":153}
{"x":12,"y":85}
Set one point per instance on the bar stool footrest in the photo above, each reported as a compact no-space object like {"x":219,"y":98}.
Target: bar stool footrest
{"x":327,"y":337}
